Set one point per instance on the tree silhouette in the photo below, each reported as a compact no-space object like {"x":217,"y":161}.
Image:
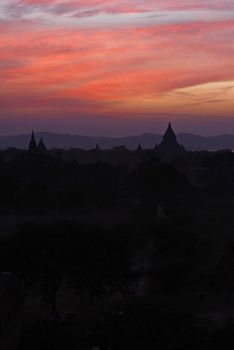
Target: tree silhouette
{"x":96,"y":263}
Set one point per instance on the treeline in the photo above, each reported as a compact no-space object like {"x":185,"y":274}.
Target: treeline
{"x":100,"y":262}
{"x":36,"y":185}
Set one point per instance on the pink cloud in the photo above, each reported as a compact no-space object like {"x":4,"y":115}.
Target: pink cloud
{"x":94,"y":70}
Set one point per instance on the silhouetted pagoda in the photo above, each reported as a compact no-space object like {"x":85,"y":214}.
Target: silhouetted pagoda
{"x":34,"y":148}
{"x":169,"y":145}
{"x":41,"y":148}
{"x":139,"y":148}
{"x":97,"y":148}
{"x":32,"y":144}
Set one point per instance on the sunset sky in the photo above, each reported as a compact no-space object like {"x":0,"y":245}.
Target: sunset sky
{"x":116,"y":67}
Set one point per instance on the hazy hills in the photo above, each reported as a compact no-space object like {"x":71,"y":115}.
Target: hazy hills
{"x":52,"y":140}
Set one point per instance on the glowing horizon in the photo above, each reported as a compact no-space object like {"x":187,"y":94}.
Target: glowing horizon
{"x":70,"y":65}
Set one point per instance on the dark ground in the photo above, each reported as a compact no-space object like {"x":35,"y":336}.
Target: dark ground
{"x":122,"y":258}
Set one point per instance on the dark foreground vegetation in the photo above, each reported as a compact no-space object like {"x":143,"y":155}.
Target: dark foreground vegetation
{"x":119,"y":258}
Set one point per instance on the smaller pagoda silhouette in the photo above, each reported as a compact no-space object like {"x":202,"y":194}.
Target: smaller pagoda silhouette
{"x":41,"y":148}
{"x":97,"y":148}
{"x":139,"y":148}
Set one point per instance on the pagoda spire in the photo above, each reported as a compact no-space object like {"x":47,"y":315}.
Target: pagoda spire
{"x":169,"y":136}
{"x":32,"y":143}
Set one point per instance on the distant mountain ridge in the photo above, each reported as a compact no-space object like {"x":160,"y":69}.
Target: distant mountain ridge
{"x":147,"y":140}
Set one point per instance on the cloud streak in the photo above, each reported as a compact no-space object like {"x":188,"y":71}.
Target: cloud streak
{"x":116,"y":57}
